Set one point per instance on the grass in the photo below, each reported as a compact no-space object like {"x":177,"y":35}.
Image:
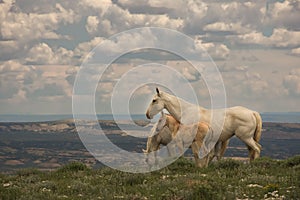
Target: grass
{"x":228,"y":179}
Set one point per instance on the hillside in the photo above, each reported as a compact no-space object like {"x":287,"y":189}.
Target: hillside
{"x":229,"y":179}
{"x":50,"y":145}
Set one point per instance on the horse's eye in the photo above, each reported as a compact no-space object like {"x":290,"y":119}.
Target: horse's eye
{"x":154,"y":100}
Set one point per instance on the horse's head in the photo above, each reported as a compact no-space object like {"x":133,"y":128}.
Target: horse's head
{"x":156,"y":105}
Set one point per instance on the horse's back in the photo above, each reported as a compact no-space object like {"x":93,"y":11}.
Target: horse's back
{"x":240,"y":114}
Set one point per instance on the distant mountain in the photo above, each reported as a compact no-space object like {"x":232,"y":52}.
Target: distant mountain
{"x":284,"y":117}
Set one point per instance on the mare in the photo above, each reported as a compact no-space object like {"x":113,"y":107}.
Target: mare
{"x":242,"y":122}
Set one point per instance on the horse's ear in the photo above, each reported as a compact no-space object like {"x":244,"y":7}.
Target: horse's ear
{"x":162,"y":113}
{"x":157,"y":91}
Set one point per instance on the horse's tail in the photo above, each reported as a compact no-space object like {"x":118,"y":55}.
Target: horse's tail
{"x":256,"y":136}
{"x":257,"y":133}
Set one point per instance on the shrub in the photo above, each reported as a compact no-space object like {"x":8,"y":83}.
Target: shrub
{"x":73,"y":167}
{"x":9,"y":193}
{"x":227,"y":164}
{"x":28,"y":172}
{"x":291,"y":162}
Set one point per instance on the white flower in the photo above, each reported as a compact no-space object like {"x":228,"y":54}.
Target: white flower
{"x":6,"y":184}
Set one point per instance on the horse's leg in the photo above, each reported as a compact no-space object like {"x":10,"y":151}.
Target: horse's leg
{"x":170,"y":149}
{"x":254,"y":147}
{"x":253,"y":154}
{"x":217,"y":150}
{"x":223,"y":148}
{"x":210,"y":156}
{"x":180,"y":144}
{"x":245,"y":133}
{"x":195,"y":150}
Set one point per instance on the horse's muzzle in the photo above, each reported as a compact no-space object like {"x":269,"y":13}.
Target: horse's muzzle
{"x":147,"y":115}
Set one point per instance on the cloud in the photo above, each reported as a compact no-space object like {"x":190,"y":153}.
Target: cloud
{"x":56,"y":36}
{"x":42,"y":54}
{"x":185,"y":69}
{"x":84,"y":48}
{"x":92,"y":24}
{"x":295,"y":52}
{"x":232,"y":28}
{"x":255,"y":84}
{"x":242,"y":83}
{"x":117,"y":19}
{"x":10,"y":49}
{"x":98,"y":6}
{"x":233,"y":68}
{"x":49,"y":89}
{"x":216,"y":50}
{"x":71,"y":73}
{"x":285,"y":14}
{"x":292,"y":82}
{"x":26,"y":27}
{"x":13,"y":77}
{"x":280,"y":38}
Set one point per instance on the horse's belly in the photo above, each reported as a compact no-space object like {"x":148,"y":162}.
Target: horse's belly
{"x":225,"y":135}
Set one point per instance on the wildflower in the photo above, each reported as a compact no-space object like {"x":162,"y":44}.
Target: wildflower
{"x":6,"y":184}
{"x":46,"y":190}
{"x":254,"y":185}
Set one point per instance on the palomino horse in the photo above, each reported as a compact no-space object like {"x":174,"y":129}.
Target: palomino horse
{"x":166,"y":130}
{"x":246,"y":124}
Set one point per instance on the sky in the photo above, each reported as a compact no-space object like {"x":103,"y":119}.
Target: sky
{"x":254,"y":44}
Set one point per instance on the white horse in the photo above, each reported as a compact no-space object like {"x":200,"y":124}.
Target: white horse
{"x":242,"y":122}
{"x":165,"y":133}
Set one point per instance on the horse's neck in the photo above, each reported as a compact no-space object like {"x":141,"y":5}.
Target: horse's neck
{"x":174,"y":105}
{"x":172,"y":124}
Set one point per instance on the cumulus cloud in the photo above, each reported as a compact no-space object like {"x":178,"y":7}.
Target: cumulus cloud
{"x":233,"y":28}
{"x":29,"y":85}
{"x":47,"y":33}
{"x":217,"y":51}
{"x":92,"y":24}
{"x":83,"y":49}
{"x":43,"y":54}
{"x":98,"y":6}
{"x":33,"y":26}
{"x":117,"y":19}
{"x":285,"y":14}
{"x":13,"y":77}
{"x":280,"y":38}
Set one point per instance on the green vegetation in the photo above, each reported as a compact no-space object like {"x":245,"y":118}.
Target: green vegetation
{"x":228,"y":179}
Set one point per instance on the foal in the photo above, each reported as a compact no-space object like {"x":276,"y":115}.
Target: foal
{"x":167,"y":128}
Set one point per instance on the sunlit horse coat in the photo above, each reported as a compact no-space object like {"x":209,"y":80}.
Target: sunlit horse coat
{"x":166,"y":130}
{"x":244,"y":123}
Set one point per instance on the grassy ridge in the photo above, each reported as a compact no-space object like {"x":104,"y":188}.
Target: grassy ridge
{"x":228,"y":179}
